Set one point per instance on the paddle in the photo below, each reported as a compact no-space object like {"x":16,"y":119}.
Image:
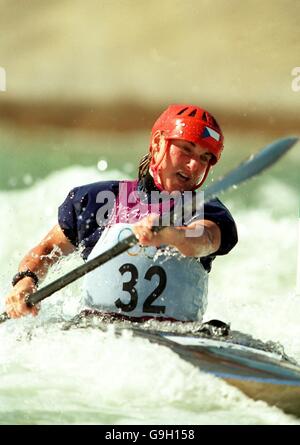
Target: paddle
{"x":248,"y":169}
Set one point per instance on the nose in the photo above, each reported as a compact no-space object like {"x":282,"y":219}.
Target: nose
{"x":193,"y":165}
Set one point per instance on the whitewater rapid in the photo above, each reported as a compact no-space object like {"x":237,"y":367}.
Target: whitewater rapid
{"x":85,"y":376}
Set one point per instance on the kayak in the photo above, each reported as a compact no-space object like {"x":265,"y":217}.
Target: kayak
{"x":260,"y":370}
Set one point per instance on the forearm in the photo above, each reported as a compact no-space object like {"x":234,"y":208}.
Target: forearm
{"x":39,"y":260}
{"x":46,"y":253}
{"x":197,"y":240}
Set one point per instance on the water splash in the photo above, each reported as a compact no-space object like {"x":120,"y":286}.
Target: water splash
{"x":87,"y":376}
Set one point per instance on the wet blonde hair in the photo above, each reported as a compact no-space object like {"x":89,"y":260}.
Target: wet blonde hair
{"x":144,"y":165}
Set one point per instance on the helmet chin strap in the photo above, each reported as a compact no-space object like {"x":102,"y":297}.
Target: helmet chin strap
{"x":154,"y":167}
{"x":209,"y":165}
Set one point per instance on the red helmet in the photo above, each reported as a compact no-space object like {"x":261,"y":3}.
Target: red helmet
{"x":192,"y":124}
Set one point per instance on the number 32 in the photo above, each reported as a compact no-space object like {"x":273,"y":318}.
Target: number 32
{"x":129,"y":286}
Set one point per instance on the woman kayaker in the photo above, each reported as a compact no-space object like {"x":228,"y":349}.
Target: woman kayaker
{"x":166,"y":275}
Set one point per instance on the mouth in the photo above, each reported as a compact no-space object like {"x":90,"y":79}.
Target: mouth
{"x":183,"y":177}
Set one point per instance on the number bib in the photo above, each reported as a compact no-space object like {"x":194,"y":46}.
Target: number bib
{"x":146,"y":281}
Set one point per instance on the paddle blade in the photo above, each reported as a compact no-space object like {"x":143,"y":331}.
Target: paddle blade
{"x":252,"y":166}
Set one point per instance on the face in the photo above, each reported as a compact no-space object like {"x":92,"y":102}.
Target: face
{"x":183,"y":166}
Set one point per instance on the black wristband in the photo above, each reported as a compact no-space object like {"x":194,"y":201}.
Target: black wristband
{"x":26,"y":273}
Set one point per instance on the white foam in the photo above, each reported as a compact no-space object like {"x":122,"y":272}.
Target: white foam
{"x":86,"y":376}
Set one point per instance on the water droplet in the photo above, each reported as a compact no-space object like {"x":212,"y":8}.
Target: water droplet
{"x":102,"y":165}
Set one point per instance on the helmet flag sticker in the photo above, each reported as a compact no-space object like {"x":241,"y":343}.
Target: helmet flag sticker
{"x":209,"y":132}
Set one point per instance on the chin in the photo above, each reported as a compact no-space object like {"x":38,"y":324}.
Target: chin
{"x":180,"y":188}
{"x":184,"y":187}
{"x":175,"y":186}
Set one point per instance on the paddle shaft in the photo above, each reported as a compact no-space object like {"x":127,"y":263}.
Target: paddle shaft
{"x":80,"y":271}
{"x":248,"y":169}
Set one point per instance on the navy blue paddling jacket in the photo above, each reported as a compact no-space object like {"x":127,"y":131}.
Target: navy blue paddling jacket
{"x":77,"y":217}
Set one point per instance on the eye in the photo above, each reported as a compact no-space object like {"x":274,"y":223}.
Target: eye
{"x":186,"y":149}
{"x":205,"y":157}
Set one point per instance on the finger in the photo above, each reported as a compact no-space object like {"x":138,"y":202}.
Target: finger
{"x":144,"y":240}
{"x":13,"y":313}
{"x":154,"y":219}
{"x":35,"y":310}
{"x":10,"y":312}
{"x":22,"y":309}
